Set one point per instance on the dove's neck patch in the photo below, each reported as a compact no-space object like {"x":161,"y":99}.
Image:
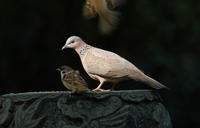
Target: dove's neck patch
{"x":83,"y":49}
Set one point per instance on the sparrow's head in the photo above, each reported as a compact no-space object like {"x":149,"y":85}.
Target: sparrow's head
{"x":73,"y":42}
{"x":64,"y":69}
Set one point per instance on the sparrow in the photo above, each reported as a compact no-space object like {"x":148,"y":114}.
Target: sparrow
{"x":108,"y":18}
{"x":72,"y":80}
{"x":106,"y":66}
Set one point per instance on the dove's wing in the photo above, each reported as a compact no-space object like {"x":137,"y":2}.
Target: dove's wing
{"x":107,"y":64}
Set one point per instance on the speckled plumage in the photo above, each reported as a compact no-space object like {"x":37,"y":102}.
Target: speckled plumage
{"x":72,"y":80}
{"x":106,"y":66}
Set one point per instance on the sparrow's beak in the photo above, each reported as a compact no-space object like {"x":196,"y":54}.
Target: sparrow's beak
{"x":64,"y":47}
{"x":58,"y":69}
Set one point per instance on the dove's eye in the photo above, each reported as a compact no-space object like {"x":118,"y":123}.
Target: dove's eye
{"x":71,"y":42}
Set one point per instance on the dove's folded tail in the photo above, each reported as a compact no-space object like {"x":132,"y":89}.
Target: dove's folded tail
{"x":149,"y":81}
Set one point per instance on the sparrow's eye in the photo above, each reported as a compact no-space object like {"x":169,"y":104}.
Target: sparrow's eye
{"x":63,"y":72}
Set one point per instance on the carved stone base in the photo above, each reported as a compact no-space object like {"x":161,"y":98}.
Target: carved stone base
{"x":116,"y":109}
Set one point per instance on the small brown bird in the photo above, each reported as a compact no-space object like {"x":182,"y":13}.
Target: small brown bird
{"x":108,"y":18}
{"x":72,"y":80}
{"x":106,"y":66}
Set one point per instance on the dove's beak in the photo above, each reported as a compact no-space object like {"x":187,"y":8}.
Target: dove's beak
{"x":58,"y":69}
{"x":64,"y":47}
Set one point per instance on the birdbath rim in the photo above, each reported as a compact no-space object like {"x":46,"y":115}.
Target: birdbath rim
{"x":68,"y":92}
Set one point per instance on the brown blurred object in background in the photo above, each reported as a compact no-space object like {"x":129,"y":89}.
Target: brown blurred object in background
{"x":108,"y":18}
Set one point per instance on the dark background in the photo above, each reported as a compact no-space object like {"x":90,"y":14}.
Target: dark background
{"x":160,"y":37}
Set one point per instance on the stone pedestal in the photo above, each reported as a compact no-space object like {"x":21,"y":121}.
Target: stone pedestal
{"x":115,"y":109}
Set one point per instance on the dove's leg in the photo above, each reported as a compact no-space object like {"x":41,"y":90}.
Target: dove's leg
{"x":99,"y":86}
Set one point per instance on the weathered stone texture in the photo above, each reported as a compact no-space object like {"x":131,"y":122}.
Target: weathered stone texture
{"x":116,"y":109}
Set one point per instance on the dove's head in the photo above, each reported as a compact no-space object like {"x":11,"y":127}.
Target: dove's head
{"x":73,"y":42}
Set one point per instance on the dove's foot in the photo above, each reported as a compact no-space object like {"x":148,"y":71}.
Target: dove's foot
{"x":101,"y":90}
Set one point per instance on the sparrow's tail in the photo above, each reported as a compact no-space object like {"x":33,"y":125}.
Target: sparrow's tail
{"x":148,"y":80}
{"x":82,"y":88}
{"x":108,"y":18}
